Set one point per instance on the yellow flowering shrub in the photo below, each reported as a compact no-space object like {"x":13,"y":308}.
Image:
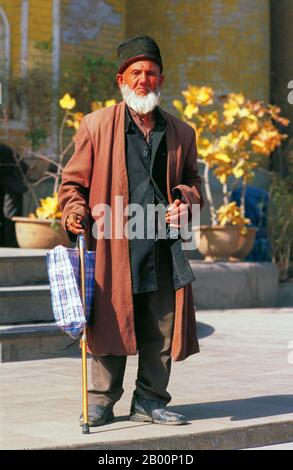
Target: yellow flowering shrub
{"x":73,"y":119}
{"x":95,"y":105}
{"x":229,"y":214}
{"x":233,"y":135}
{"x":67,"y":102}
{"x":48,"y":209}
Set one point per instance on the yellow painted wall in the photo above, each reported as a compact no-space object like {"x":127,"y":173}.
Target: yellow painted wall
{"x":12,"y":10}
{"x":13,"y":13}
{"x":39,"y":29}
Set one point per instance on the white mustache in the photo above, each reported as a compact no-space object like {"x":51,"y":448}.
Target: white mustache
{"x":140,"y":104}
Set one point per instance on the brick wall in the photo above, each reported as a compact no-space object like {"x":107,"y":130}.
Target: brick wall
{"x":39,"y":30}
{"x":91,"y":27}
{"x":224,"y":43}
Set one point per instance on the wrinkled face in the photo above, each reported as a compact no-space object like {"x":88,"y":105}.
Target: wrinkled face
{"x":143,"y":77}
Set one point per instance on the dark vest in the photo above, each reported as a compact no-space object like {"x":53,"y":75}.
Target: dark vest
{"x":147,"y":170}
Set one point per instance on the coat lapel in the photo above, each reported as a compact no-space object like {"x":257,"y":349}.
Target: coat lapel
{"x":119,"y":147}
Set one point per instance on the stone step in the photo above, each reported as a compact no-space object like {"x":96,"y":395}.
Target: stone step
{"x":25,"y":304}
{"x":20,"y":266}
{"x":244,"y":436}
{"x":217,"y":285}
{"x":35,"y":341}
{"x":224,"y":285}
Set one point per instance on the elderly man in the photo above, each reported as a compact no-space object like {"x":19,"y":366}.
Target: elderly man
{"x":135,"y":153}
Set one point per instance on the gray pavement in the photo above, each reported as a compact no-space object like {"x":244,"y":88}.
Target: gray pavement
{"x":237,"y":393}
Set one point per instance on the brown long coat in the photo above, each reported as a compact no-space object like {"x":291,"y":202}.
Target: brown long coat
{"x":96,"y":173}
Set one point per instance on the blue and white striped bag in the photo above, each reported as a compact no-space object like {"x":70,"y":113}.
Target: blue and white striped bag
{"x":63,"y":265}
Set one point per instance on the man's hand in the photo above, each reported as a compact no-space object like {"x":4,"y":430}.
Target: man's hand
{"x":75,"y":223}
{"x":177,"y":214}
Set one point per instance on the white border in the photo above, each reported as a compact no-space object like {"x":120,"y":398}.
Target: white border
{"x":55,"y":69}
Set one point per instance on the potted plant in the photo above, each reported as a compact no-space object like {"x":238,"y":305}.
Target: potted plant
{"x":42,"y":228}
{"x":234,"y":136}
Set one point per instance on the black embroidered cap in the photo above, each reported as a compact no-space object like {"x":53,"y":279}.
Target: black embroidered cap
{"x":138,"y":48}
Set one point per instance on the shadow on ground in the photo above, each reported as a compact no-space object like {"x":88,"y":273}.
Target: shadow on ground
{"x":204,"y":330}
{"x":246,"y":408}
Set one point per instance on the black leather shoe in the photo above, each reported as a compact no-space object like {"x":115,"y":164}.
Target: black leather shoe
{"x":98,"y":415}
{"x":153,"y":411}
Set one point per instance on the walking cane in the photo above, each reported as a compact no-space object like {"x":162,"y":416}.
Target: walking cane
{"x":83,"y":342}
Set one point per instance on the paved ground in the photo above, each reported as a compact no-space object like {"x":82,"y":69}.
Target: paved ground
{"x":237,"y":393}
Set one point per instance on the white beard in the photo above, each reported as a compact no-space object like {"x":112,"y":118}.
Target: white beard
{"x":140,"y":104}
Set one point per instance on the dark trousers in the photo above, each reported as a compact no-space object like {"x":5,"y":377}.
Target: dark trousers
{"x":154,"y":322}
{"x":10,"y":206}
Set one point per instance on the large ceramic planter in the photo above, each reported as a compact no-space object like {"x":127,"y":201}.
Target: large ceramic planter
{"x":37,"y":233}
{"x":223,"y":243}
{"x":245,"y":244}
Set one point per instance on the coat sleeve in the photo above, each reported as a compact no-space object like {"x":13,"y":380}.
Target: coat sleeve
{"x":73,"y":193}
{"x":189,"y":191}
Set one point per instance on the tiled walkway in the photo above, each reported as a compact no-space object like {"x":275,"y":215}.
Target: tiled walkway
{"x":237,"y":393}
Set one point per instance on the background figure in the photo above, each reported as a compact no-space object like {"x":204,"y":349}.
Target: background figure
{"x":256,"y":209}
{"x":12,"y":188}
